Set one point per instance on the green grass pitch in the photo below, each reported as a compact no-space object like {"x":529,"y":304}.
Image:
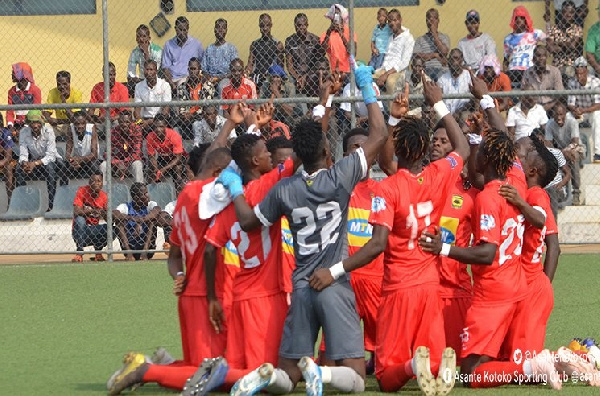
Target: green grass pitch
{"x":64,"y":328}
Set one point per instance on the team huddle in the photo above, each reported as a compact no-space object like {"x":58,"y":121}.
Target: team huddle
{"x":324,"y":247}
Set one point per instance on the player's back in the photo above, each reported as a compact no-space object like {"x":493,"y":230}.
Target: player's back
{"x":188,"y":233}
{"x":497,"y":221}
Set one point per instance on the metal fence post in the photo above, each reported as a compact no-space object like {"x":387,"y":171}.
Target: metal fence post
{"x":107,"y":126}
{"x":352,"y":53}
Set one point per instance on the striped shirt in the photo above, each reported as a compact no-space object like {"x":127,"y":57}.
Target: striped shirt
{"x":584,"y":100}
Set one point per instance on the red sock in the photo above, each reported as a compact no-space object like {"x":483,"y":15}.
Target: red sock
{"x":233,"y":375}
{"x":395,"y":377}
{"x":169,"y":377}
{"x":494,"y":374}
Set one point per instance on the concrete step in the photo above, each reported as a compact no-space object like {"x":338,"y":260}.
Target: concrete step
{"x":591,"y":194}
{"x":590,"y":174}
{"x":579,"y":214}
{"x":579,"y":233}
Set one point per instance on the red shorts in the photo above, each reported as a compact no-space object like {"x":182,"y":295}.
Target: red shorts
{"x":486,"y":327}
{"x":368,"y":297}
{"x":256,"y":326}
{"x":198,"y":338}
{"x":455,"y":314}
{"x":407,"y":319}
{"x":527,"y":333}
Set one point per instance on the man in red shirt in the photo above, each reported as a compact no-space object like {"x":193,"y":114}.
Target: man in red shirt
{"x":455,"y":225}
{"x":89,"y":207}
{"x":126,"y":141}
{"x":23,"y":92}
{"x":118,"y":94}
{"x":165,"y":150}
{"x":238,"y":87}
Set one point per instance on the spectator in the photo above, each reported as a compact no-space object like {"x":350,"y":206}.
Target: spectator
{"x":397,"y":57}
{"x":542,"y":76}
{"x":580,"y":12}
{"x":81,"y":157}
{"x":586,"y":107}
{"x":360,"y":107}
{"x":592,"y":46}
{"x":457,"y":80}
{"x":565,"y":41}
{"x":279,"y":87}
{"x":218,"y":56}
{"x":63,"y":93}
{"x":264,"y":52}
{"x":144,"y":51}
{"x":126,"y":143}
{"x":519,"y":45}
{"x":208,"y":127}
{"x":303,"y":53}
{"x":165,"y":221}
{"x":177,"y":53}
{"x":7,"y":163}
{"x":89,"y":208}
{"x":495,"y":79}
{"x":238,"y":87}
{"x":557,"y":188}
{"x":23,"y":92}
{"x":433,"y":46}
{"x":562,"y":132}
{"x":275,"y":128}
{"x":165,"y":150}
{"x":136,"y":223}
{"x":193,"y":88}
{"x":476,"y":45}
{"x":336,"y":40}
{"x":415,"y":84}
{"x":526,"y":116}
{"x":280,"y":148}
{"x":380,"y":39}
{"x":37,"y":154}
{"x":151,"y":89}
{"x":118,"y":94}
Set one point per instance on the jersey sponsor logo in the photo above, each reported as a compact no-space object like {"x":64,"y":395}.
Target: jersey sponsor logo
{"x":452,"y":161}
{"x":487,"y":222}
{"x":230,"y":254}
{"x":359,"y":229}
{"x":280,"y":168}
{"x":286,"y":237}
{"x":420,"y":180}
{"x":309,"y":183}
{"x":449,"y":227}
{"x":378,"y":204}
{"x":457,"y":201}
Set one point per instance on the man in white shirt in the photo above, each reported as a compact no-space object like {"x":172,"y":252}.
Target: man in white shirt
{"x":397,"y":57}
{"x":457,"y":80}
{"x":37,"y":154}
{"x":476,"y":45}
{"x":151,"y":89}
{"x":526,"y":116}
{"x":360,"y":107}
{"x":207,"y":129}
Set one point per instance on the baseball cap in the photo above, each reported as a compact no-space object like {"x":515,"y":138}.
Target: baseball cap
{"x":580,"y":62}
{"x":472,"y":15}
{"x":276,"y":70}
{"x":34,"y":116}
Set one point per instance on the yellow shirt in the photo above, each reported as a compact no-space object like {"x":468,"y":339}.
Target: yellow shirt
{"x":54,"y":97}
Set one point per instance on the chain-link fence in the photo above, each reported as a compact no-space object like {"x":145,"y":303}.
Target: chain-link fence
{"x":124,"y":90}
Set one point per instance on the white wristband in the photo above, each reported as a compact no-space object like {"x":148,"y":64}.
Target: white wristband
{"x":474,"y":139}
{"x":487,"y":102}
{"x":337,"y":270}
{"x":180,"y":273}
{"x":329,"y":100}
{"x":253,"y":130}
{"x":445,"y":249}
{"x":319,"y":111}
{"x":441,"y":109}
{"x":393,"y":121}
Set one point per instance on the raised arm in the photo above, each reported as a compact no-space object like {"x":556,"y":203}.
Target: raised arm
{"x":398,"y":109}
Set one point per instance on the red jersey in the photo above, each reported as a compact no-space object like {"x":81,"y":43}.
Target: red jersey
{"x":259,"y":250}
{"x":84,"y":197}
{"x":533,"y":240}
{"x":516,"y":177}
{"x":246,"y":90}
{"x":498,"y":222}
{"x":288,"y":259}
{"x":171,"y":145}
{"x":359,"y":229}
{"x":407,"y":204}
{"x":118,"y":94}
{"x":455,"y":225}
{"x":187,"y":233}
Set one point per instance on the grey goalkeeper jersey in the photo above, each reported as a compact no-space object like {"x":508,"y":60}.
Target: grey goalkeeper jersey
{"x":317,"y":209}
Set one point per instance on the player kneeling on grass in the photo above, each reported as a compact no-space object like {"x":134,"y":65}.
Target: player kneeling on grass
{"x":316,"y":205}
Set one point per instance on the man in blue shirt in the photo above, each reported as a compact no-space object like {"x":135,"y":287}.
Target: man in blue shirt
{"x":7,"y":164}
{"x":219,"y":55}
{"x":380,"y":39}
{"x":178,"y":51}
